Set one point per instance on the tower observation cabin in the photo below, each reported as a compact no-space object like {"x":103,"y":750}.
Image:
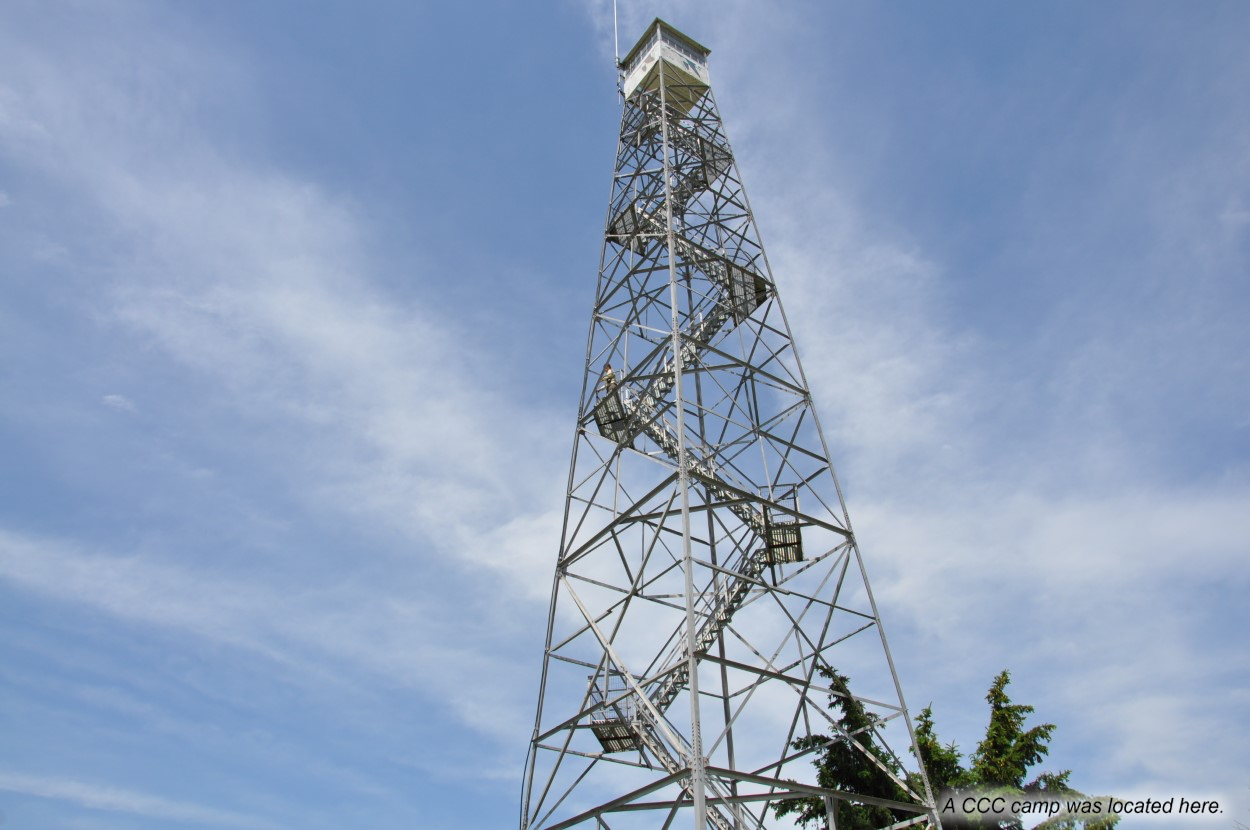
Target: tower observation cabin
{"x":685,"y":65}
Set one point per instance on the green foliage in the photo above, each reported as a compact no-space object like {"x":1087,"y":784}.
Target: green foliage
{"x":999,"y":766}
{"x":1008,"y":750}
{"x":842,"y":763}
{"x":944,"y":764}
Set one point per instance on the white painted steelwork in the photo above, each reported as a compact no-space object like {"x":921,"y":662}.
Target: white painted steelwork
{"x":707,"y":571}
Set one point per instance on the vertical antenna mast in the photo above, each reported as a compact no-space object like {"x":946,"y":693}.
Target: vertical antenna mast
{"x":616,"y":51}
{"x":711,"y":631}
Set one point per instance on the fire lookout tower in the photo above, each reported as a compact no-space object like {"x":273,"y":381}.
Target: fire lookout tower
{"x":708,"y":583}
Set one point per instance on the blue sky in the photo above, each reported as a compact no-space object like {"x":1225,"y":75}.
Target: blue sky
{"x":293,"y":300}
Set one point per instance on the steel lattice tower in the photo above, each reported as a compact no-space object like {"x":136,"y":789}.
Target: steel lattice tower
{"x":707,"y":570}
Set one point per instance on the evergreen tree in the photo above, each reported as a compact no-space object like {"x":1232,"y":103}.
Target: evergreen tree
{"x":999,"y":766}
{"x":1002,"y":760}
{"x":944,"y":764}
{"x":1008,"y":750}
{"x":841,"y":765}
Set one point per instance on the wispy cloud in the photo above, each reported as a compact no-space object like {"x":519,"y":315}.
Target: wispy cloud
{"x":113,"y":799}
{"x":1235,"y":217}
{"x":264,"y":288}
{"x":119,"y":402}
{"x":418,"y":640}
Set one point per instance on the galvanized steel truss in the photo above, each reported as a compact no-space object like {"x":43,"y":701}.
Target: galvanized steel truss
{"x":707,"y":567}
